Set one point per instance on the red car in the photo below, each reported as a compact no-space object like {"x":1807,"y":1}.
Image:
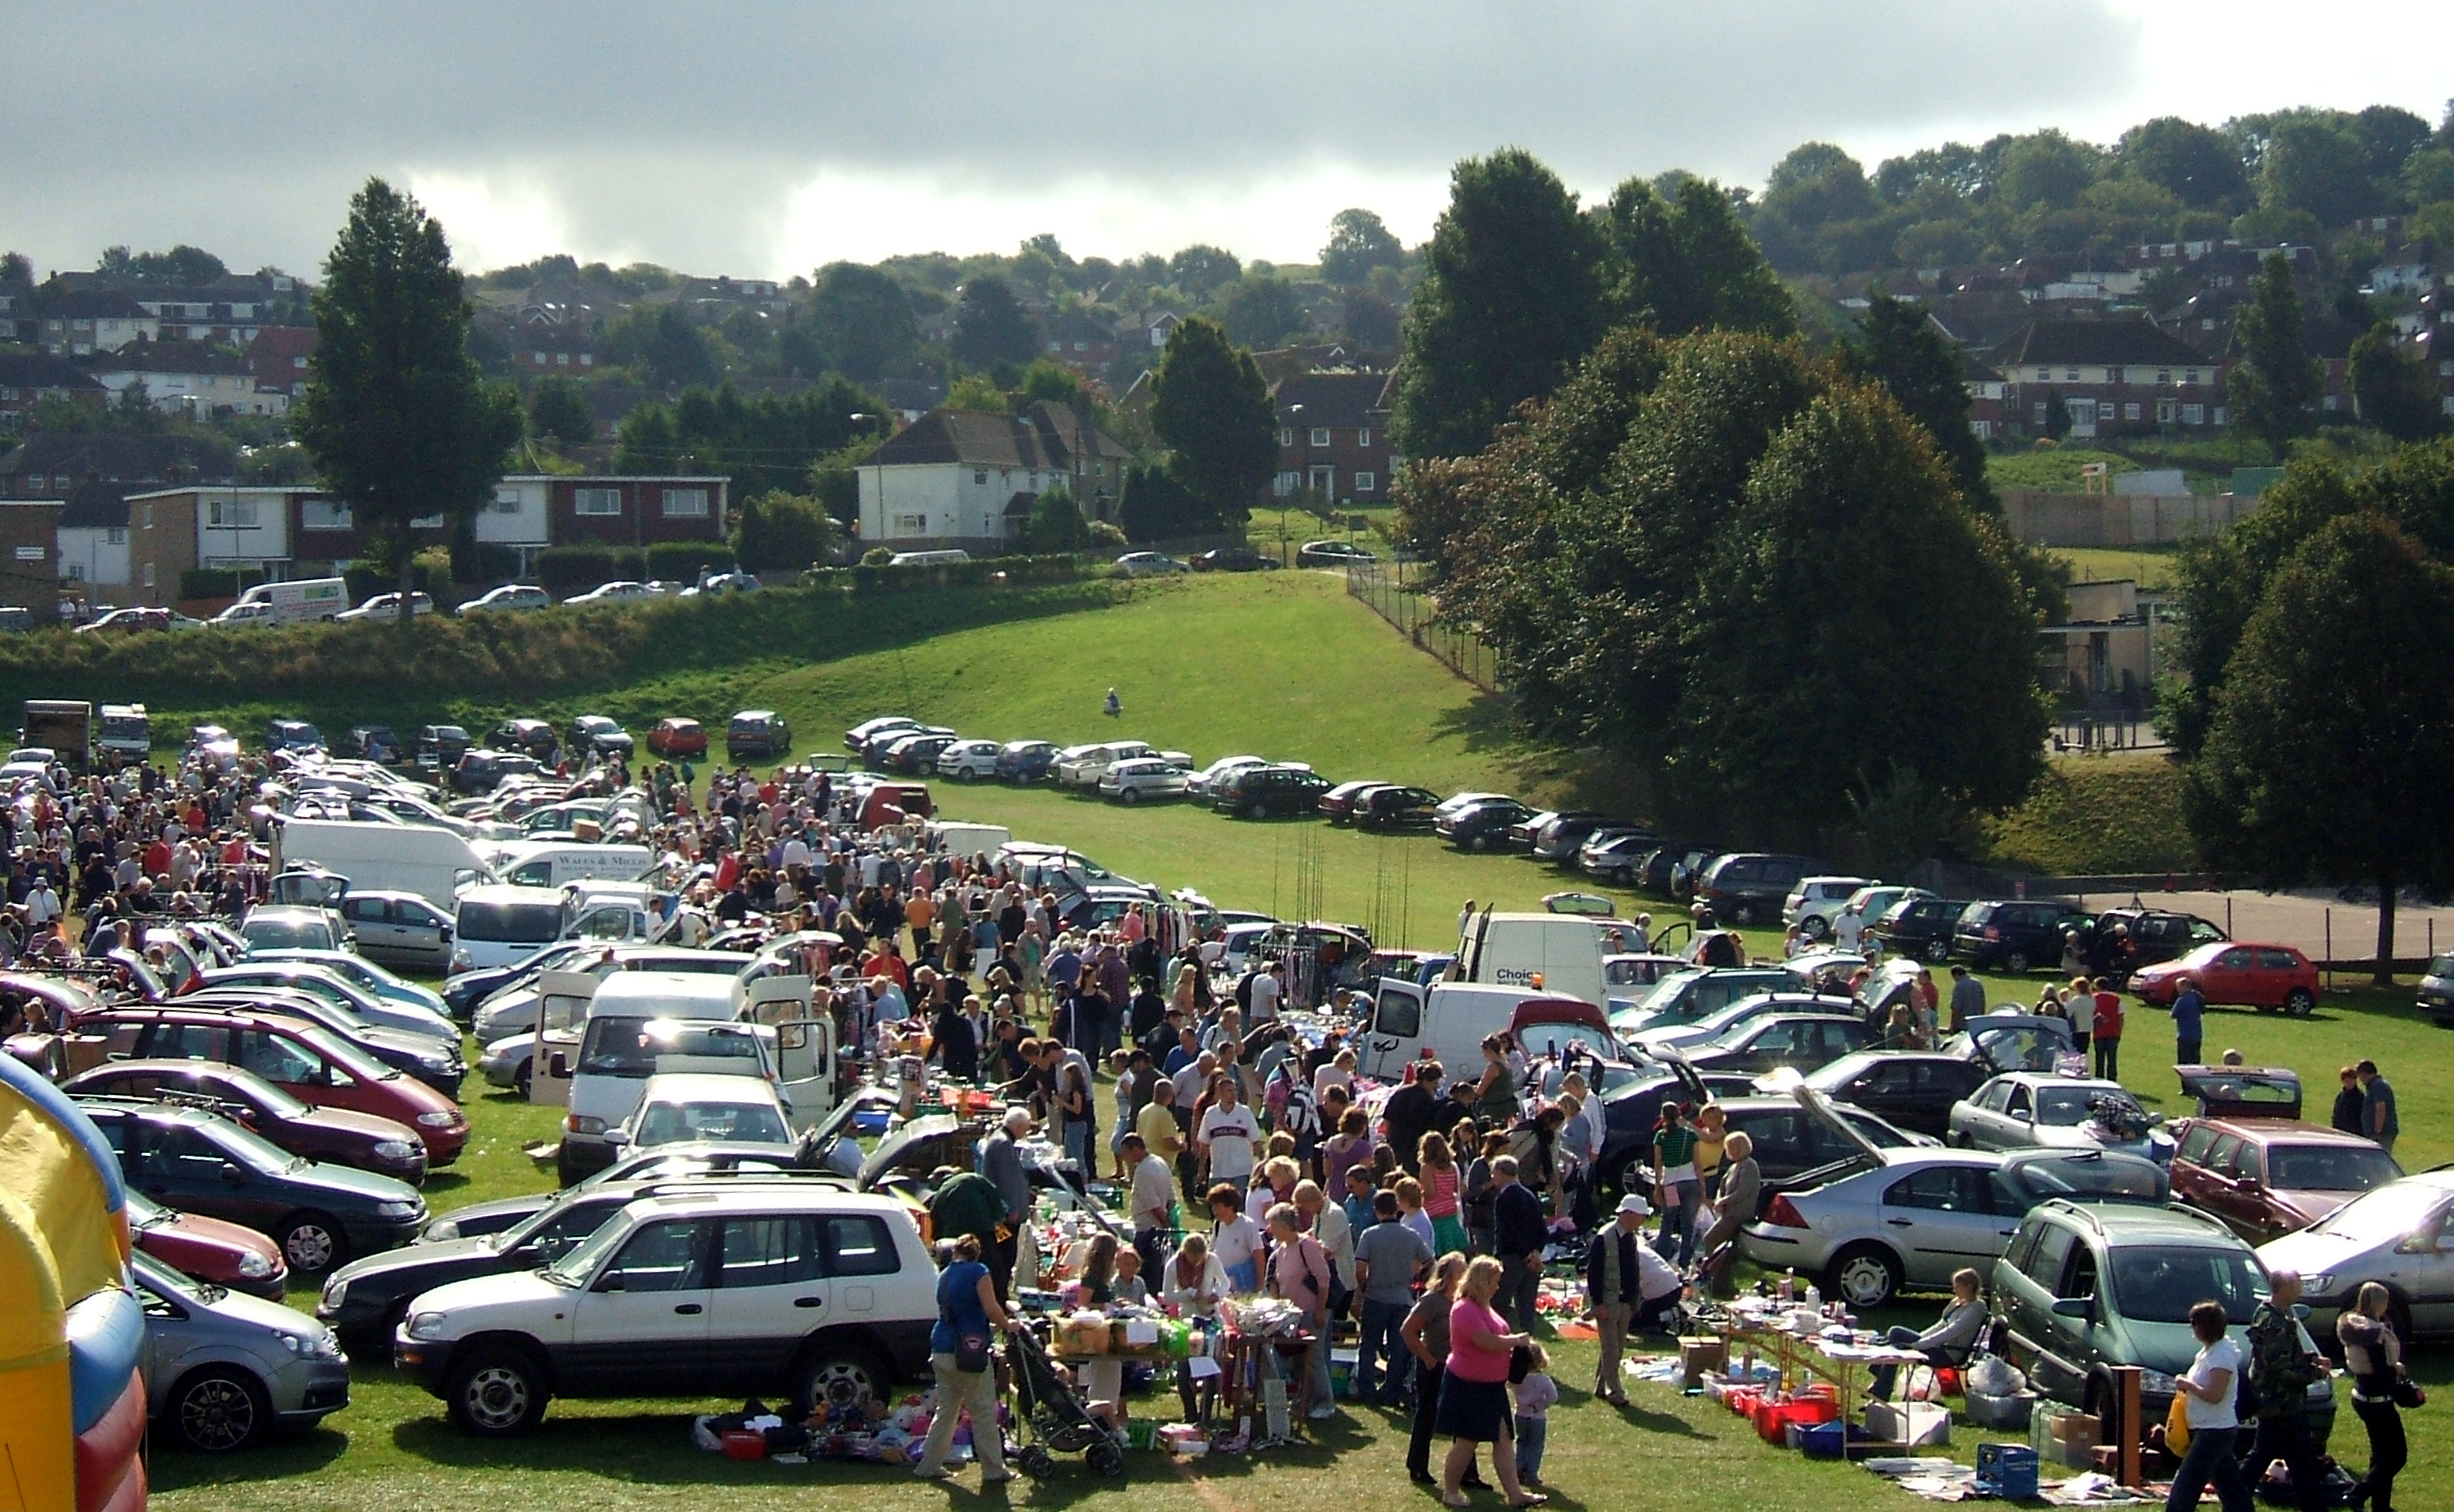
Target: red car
{"x":2236,"y":972}
{"x":678,"y":737}
{"x":2267,"y":1177}
{"x":381,"y":1145}
{"x":207,"y":1248}
{"x":306,"y":1060}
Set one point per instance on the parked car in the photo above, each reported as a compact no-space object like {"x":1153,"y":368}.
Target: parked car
{"x":1741,"y":1004}
{"x":439,"y":746}
{"x":916,"y":755}
{"x":1914,"y":1089}
{"x":532,"y":737}
{"x":1692,"y":995}
{"x":480,"y":772}
{"x":286,"y":926}
{"x":1396,"y":808}
{"x":1142,"y":779}
{"x":2126,"y":939}
{"x":360,"y":1005}
{"x":1749,"y":887}
{"x":969,"y":760}
{"x":600,"y":1320}
{"x":1080,"y":766}
{"x":1480,"y":826}
{"x":2261,"y":976}
{"x":619,"y":591}
{"x":2085,"y":1287}
{"x":1801,"y":1041}
{"x":225,"y":1254}
{"x":140,"y":617}
{"x":1614,"y":855}
{"x":1561,"y":839}
{"x":2400,"y":1235}
{"x":1792,"y":1138}
{"x":335,"y":1136}
{"x":684,"y":1107}
{"x":199,"y":1162}
{"x":1198,"y":785}
{"x":2035,"y":1109}
{"x":1336,"y":804}
{"x":299,"y":993}
{"x":1150,"y":564}
{"x":2437,"y":990}
{"x":374,"y":743}
{"x":2015,"y":936}
{"x":666,"y":1163}
{"x":223,"y":1370}
{"x":365,"y":975}
{"x":293,"y":735}
{"x":759,"y":733}
{"x":1234,"y":559}
{"x":718,"y":584}
{"x":385,"y":606}
{"x":1920,"y":927}
{"x":400,"y":929}
{"x":1910,"y":1222}
{"x":2268,"y":1177}
{"x":1332,"y":554}
{"x":1269,"y":791}
{"x":1020,"y":761}
{"x":675,"y":738}
{"x":1815,"y":902}
{"x":600,"y":735}
{"x":306,"y":1060}
{"x":509,"y":596}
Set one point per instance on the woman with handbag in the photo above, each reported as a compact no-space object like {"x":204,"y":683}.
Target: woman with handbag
{"x":2373,"y":1357}
{"x":967,"y":1309}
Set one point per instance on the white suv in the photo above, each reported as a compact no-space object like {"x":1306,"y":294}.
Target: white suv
{"x":1816,"y":901}
{"x":825,"y":1295}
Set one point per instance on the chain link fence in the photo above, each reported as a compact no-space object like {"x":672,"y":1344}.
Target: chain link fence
{"x":1393,"y":590}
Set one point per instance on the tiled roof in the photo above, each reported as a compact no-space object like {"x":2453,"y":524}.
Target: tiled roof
{"x":2096,"y":343}
{"x":1048,"y":437}
{"x":1342,"y":400}
{"x":169,"y":357}
{"x":34,"y":370}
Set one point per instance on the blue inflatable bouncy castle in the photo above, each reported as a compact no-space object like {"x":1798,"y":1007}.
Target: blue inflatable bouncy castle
{"x":72,"y":1404}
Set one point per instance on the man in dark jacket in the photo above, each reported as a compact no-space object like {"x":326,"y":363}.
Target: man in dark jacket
{"x":1519,"y":1236}
{"x":2350,"y":1103}
{"x":1413,"y":1109}
{"x":1613,"y":1287}
{"x":2282,"y":1366}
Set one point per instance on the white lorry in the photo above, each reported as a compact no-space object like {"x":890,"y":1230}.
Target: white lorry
{"x":1559,"y":954}
{"x":434,"y":863}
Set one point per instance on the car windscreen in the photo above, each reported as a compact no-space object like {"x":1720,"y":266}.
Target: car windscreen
{"x":246,"y":1147}
{"x":672,"y":1123}
{"x":288,"y":934}
{"x":510,"y":923}
{"x":2161,"y":1284}
{"x":632,"y":1047}
{"x":2069,"y":1107}
{"x":2390,"y":1212}
{"x":2092,"y":1179}
{"x":2329,"y":1168}
{"x":1565,"y":1039}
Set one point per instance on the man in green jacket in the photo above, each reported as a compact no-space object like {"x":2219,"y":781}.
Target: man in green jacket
{"x":2282,"y":1366}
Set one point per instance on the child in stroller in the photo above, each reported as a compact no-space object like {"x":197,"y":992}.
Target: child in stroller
{"x":1056,"y":1415}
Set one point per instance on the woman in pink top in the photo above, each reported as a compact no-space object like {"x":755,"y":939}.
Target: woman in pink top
{"x":1474,"y":1388}
{"x":1440,"y":1188}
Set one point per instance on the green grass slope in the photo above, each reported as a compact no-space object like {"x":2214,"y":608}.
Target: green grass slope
{"x":2094,"y":815}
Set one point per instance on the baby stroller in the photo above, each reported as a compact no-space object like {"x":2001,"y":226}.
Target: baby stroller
{"x":1056,"y":1417}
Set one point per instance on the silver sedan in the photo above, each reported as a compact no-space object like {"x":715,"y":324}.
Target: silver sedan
{"x":1909,"y":1222}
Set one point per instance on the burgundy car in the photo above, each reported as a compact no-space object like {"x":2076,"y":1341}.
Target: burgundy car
{"x":365,"y":1140}
{"x":678,"y":737}
{"x":207,"y":1248}
{"x":2267,"y":1177}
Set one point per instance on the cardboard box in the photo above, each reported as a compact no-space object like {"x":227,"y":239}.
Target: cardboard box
{"x":2076,"y":1428}
{"x":1700,"y":1357}
{"x":83,"y":1052}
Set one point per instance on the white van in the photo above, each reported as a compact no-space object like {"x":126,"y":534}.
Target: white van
{"x":1448,"y":1021}
{"x":956,"y":838}
{"x":558,"y":863}
{"x":1562,"y":954}
{"x":496,"y":926}
{"x":424,"y":859}
{"x":637,"y":1024}
{"x":287,"y":603}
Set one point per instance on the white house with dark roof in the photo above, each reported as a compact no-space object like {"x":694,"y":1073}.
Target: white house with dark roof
{"x":957,"y":479}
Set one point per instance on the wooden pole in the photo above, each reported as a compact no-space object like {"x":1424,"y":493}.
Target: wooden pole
{"x":2129,"y":1430}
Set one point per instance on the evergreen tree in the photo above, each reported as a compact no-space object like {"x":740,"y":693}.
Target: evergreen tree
{"x":399,"y":423}
{"x":1155,"y":507}
{"x":1899,"y":346}
{"x":559,"y":409}
{"x":1209,"y":403}
{"x":1511,"y":298}
{"x":1056,"y":523}
{"x":2394,"y":392}
{"x":2275,"y":383}
{"x":781,"y":532}
{"x":993,"y":327}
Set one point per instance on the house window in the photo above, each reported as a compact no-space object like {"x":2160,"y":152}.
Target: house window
{"x":2164,"y":375}
{"x":2044,"y":375}
{"x":587,"y":359}
{"x":596,"y":501}
{"x":1363,"y":435}
{"x":1286,"y":435}
{"x":685,"y":503}
{"x":2190,"y":375}
{"x":2113,"y":375}
{"x":2130,"y":412}
{"x":1366,"y":482}
{"x":2040,"y":414}
{"x":116,"y":535}
{"x":323,"y":514}
{"x":1056,"y":346}
{"x":149,"y":574}
{"x":911,"y":525}
{"x":506,"y":501}
{"x":540,"y":358}
{"x":1320,"y":435}
{"x":979,"y":475}
{"x":233,"y":514}
{"x":2333,"y":402}
{"x":2071,"y":374}
{"x":562,"y":359}
{"x":2194,"y":414}
{"x":149,"y":517}
{"x":299,"y":362}
{"x":1082,"y":346}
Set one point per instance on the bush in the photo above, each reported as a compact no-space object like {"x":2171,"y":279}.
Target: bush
{"x":1100,"y":534}
{"x":1056,"y":522}
{"x":365,"y":579}
{"x":217,"y":582}
{"x":783,"y":532}
{"x":877,"y":556}
{"x":565,"y":570}
{"x":490,"y":562}
{"x":682,"y":561}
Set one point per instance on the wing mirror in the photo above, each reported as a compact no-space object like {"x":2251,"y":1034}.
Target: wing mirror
{"x":2073,"y":1307}
{"x":558,"y":1066}
{"x":611,"y":1281}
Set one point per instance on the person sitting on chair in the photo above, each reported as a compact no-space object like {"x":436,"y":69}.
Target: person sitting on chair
{"x":1951,"y":1338}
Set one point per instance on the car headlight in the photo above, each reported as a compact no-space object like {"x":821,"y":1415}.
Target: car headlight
{"x":336,"y":1291}
{"x":398,"y":1209}
{"x":319,"y":1345}
{"x":2158,"y":1382}
{"x":437,"y":1059}
{"x":427,"y":1325}
{"x":438,"y":1120}
{"x":254,"y":1266}
{"x":2320,"y":1285}
{"x":460,"y":960}
{"x":395,"y":1149}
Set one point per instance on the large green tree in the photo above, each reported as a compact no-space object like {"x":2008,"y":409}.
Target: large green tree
{"x":1358,"y":243}
{"x":1511,"y":298}
{"x":1682,"y":262}
{"x":781,"y":532}
{"x":558,"y":408}
{"x":991,"y":326}
{"x":1211,"y":406}
{"x":1899,"y":346}
{"x":2394,"y":392}
{"x":670,"y":349}
{"x":862,"y":322}
{"x":764,"y":442}
{"x":1261,"y":310}
{"x":2193,"y":163}
{"x":2275,"y":383}
{"x":2331,"y":755}
{"x":399,"y":423}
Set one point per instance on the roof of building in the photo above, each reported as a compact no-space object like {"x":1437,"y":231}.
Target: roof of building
{"x":94,"y":304}
{"x":1047,"y":437}
{"x":1344,"y":400}
{"x":143,"y":356}
{"x":95,"y":506}
{"x":138,"y":461}
{"x":36,"y":370}
{"x":2095,"y":343}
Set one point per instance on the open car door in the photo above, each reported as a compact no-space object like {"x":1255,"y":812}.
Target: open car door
{"x":562,"y":1013}
{"x":2243,"y":1091}
{"x":1397,"y":1028}
{"x":804,"y":1045}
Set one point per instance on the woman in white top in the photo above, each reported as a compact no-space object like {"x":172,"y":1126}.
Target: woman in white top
{"x":1338,"y":1073}
{"x":2207,"y":1400}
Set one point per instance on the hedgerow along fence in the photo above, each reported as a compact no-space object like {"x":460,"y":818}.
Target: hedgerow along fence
{"x":1394,"y":591}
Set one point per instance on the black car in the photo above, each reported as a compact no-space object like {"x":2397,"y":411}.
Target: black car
{"x":1913,"y":1088}
{"x":2125,"y":939}
{"x":2016,"y":935}
{"x":482,"y":771}
{"x":1803,"y":1042}
{"x":761,"y":733}
{"x":1788,"y":1139}
{"x":916,"y":755}
{"x":599,"y":734}
{"x":1268,"y":791}
{"x":1653,"y":871}
{"x":1920,"y":928}
{"x":440,"y":746}
{"x":198,"y":1162}
{"x":372,"y":743}
{"x":293,"y":735}
{"x":1234,"y":559}
{"x":1750,"y":887}
{"x":1392,"y":808}
{"x":1558,"y":841}
{"x":530,"y":737}
{"x":1481,"y":826}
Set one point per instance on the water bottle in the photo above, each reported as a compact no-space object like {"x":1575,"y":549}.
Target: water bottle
{"x":1789,"y":1286}
{"x":1814,"y":1299}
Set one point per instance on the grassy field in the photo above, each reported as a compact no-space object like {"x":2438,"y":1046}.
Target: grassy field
{"x":2097,"y":815}
{"x":2148,"y":566}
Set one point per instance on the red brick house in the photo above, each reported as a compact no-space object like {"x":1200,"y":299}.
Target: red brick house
{"x":1333,"y":436}
{"x":2120,"y":375}
{"x":629,"y":510}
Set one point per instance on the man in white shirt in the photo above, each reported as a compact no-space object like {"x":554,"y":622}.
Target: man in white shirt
{"x":1848,"y":930}
{"x":1266,"y":993}
{"x":1227,"y":1136}
{"x":1151,"y":1202}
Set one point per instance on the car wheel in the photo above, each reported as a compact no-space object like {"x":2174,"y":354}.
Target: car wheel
{"x":2016,"y":963}
{"x":496,"y":1392}
{"x":1256,"y":810}
{"x":964,"y":774}
{"x":521,"y":1078}
{"x":1129,"y":796}
{"x":2301,"y":1002}
{"x":310,"y":1242}
{"x":1635,"y":1175}
{"x":1866,"y":1276}
{"x":217,"y":1410}
{"x":839,"y":1376}
{"x":1814,"y":926}
{"x":1479,"y":843}
{"x":1623,"y":877}
{"x":1743,"y":913}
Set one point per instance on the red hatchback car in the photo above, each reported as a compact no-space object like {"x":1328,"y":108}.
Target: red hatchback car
{"x":207,"y":1248}
{"x":2235,"y":972}
{"x":678,"y":737}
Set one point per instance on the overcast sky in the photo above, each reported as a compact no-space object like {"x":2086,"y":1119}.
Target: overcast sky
{"x":763,"y":139}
